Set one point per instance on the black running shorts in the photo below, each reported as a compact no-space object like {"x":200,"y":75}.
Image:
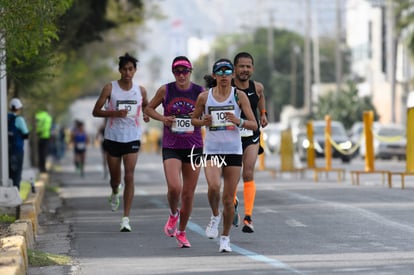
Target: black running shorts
{"x":118,"y":149}
{"x":182,"y":154}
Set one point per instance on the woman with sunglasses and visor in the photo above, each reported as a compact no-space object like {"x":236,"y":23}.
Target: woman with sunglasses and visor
{"x":180,"y":140}
{"x":219,"y":110}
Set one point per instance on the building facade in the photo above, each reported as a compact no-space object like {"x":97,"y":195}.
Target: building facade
{"x":369,"y":36}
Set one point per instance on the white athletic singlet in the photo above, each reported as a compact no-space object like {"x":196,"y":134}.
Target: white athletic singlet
{"x":125,"y":129}
{"x":222,"y":137}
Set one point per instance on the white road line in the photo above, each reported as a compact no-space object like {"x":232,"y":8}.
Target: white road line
{"x":294,"y":223}
{"x":250,"y":254}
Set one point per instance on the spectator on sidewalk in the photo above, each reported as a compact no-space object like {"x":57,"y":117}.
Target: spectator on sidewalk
{"x":61,"y":139}
{"x":43,"y":131}
{"x":17,"y":133}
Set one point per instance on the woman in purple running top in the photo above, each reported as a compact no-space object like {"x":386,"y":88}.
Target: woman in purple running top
{"x":181,"y":143}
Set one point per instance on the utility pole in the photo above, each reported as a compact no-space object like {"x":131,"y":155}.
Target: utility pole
{"x":9,"y":195}
{"x":338,"y":53}
{"x":4,"y":164}
{"x":293,"y":74}
{"x":391,"y":61}
{"x":307,"y":78}
{"x":316,"y":64}
{"x":270,"y":43}
{"x":270,"y":58}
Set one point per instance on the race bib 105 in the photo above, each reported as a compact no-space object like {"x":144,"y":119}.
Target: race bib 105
{"x":218,"y":116}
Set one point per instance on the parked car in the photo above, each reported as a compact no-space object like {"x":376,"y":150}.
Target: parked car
{"x":356,"y":131}
{"x":338,"y":135}
{"x":388,"y":141}
{"x":271,"y":137}
{"x":356,"y":134}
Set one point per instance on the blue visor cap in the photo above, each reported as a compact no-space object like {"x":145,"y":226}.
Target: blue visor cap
{"x":222,"y":64}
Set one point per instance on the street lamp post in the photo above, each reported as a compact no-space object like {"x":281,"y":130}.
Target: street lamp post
{"x":9,"y":196}
{"x":307,"y":62}
{"x":4,"y":165}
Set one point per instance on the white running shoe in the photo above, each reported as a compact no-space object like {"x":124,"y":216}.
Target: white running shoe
{"x":114,"y":201}
{"x":125,"y":227}
{"x":212,"y":227}
{"x":225,"y":244}
{"x":121,"y":187}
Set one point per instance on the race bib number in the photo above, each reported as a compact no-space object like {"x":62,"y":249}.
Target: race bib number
{"x":80,"y":145}
{"x":182,"y":125}
{"x":218,"y":116}
{"x":246,"y":132}
{"x":130,"y":105}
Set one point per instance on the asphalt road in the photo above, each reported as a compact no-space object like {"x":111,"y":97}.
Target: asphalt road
{"x":302,"y":226}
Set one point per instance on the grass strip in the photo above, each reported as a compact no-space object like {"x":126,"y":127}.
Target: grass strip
{"x":39,"y":258}
{"x":25,"y":189}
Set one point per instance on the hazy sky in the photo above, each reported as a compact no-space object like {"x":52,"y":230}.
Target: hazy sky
{"x":205,"y":19}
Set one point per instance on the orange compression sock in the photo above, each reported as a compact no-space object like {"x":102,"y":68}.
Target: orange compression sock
{"x":249,"y":195}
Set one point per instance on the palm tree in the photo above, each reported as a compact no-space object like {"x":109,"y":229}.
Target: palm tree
{"x":403,"y":26}
{"x":404,"y":21}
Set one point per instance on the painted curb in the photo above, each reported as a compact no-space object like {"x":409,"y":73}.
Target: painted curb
{"x":13,"y":248}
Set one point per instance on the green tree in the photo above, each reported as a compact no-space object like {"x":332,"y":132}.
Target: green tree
{"x":282,"y":74}
{"x":277,"y":83}
{"x":345,"y":106}
{"x":404,"y":18}
{"x":88,"y":20}
{"x":47,"y":56}
{"x":26,"y":35}
{"x":92,"y":34}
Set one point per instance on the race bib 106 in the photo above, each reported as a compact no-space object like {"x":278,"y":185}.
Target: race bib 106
{"x":182,"y":125}
{"x":80,"y":145}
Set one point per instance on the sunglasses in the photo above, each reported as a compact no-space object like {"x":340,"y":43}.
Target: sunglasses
{"x":224,"y":72}
{"x":177,"y":72}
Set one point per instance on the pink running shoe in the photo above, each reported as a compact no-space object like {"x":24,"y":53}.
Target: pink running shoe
{"x":170,"y":227}
{"x":182,"y":239}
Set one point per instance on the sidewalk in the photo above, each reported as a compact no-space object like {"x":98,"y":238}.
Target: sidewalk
{"x":25,"y":233}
